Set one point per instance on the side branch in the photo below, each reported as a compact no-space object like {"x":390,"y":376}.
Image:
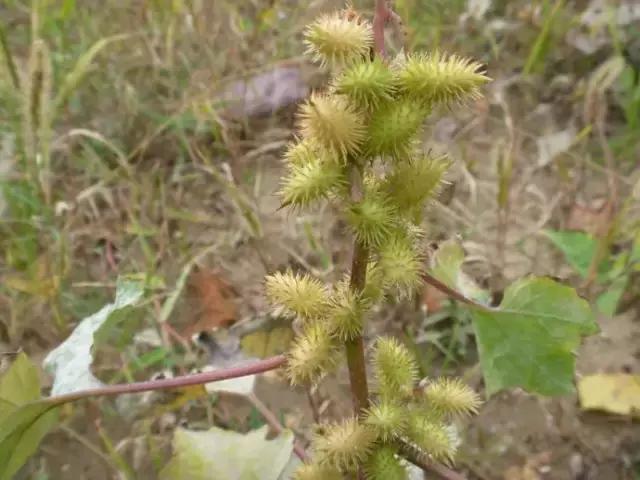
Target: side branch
{"x":252,"y":368}
{"x":434,"y":282}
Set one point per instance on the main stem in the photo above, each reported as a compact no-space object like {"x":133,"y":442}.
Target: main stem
{"x":380,"y":18}
{"x":355,"y":346}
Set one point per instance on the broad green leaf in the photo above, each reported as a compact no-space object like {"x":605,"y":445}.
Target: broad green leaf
{"x":70,"y":362}
{"x":21,"y":433}
{"x":221,"y":454}
{"x":24,"y":421}
{"x":446,"y":266}
{"x":578,"y":248}
{"x":25,"y":418}
{"x":19,"y":385}
{"x":531,"y":339}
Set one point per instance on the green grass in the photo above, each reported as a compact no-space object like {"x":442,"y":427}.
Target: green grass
{"x":551,"y":12}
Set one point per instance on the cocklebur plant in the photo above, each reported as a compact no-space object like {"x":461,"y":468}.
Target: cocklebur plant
{"x":358,"y":147}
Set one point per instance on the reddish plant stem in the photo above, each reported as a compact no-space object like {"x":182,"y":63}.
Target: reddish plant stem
{"x":434,"y":282}
{"x":252,"y":368}
{"x":355,"y":347}
{"x":381,"y":16}
{"x":357,"y":374}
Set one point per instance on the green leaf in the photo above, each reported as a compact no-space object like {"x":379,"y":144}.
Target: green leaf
{"x":19,"y":385}
{"x":24,"y":421}
{"x":608,"y":301}
{"x":25,"y":418}
{"x":540,"y":48}
{"x":70,"y":362}
{"x":446,"y":266}
{"x":578,"y":248}
{"x":531,"y":339}
{"x":222,"y":454}
{"x":21,"y":434}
